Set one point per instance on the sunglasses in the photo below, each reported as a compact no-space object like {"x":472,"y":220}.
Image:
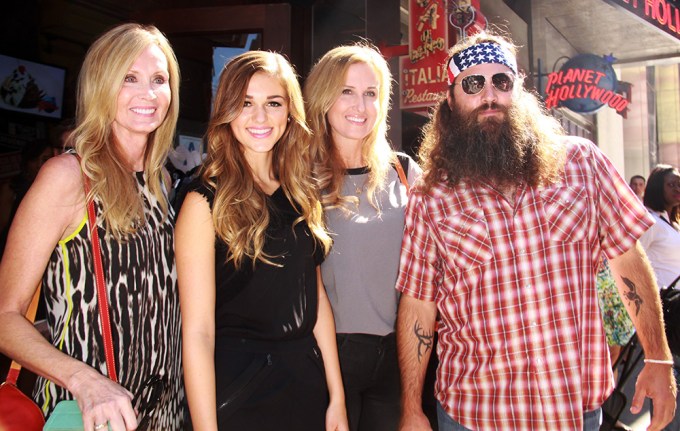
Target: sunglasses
{"x":473,"y":84}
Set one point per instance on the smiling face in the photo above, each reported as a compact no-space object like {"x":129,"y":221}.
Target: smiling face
{"x":490,"y":101}
{"x":353,"y":115}
{"x":264,"y":117}
{"x":144,"y":98}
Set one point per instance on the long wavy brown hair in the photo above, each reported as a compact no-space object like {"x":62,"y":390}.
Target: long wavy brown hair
{"x":101,"y":77}
{"x":322,"y":88}
{"x":527,"y":146}
{"x":239,"y":213}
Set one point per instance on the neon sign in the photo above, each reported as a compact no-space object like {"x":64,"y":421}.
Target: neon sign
{"x":662,"y":14}
{"x":585,"y":84}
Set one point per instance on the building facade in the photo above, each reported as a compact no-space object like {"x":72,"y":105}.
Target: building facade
{"x":642,"y":37}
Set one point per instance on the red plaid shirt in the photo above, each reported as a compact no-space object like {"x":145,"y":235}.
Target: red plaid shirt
{"x":521,"y":344}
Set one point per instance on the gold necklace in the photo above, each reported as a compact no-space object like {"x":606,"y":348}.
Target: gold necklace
{"x":358,"y":190}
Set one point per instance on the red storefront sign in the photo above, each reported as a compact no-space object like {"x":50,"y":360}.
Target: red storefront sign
{"x":585,"y":84}
{"x":662,"y":14}
{"x":434,"y":26}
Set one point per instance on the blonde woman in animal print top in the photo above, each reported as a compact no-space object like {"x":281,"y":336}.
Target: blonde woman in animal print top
{"x":126,"y":115}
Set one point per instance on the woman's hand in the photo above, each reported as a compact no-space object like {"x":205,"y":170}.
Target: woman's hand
{"x":336,"y":417}
{"x":102,"y":402}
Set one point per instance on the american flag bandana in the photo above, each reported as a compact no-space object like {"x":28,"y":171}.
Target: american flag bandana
{"x":480,"y":53}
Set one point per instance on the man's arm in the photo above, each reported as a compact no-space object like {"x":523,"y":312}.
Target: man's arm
{"x":415,"y":337}
{"x":637,"y":287}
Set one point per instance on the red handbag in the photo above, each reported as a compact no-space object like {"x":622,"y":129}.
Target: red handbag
{"x":17,"y":411}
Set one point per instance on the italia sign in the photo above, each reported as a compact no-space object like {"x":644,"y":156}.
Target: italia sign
{"x":434,"y":26}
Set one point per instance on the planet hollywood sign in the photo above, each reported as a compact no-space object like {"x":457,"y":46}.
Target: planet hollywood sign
{"x":585,"y":84}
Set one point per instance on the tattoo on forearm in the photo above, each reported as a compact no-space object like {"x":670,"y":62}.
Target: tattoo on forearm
{"x":425,"y":340}
{"x":632,"y":295}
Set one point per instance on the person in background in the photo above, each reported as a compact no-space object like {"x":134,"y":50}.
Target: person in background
{"x":127,"y":107}
{"x":503,"y":238}
{"x":259,"y":339}
{"x":34,"y":154}
{"x":662,"y":241}
{"x":347,"y":96}
{"x":618,"y":327}
{"x":637,"y":184}
{"x":616,"y":322}
{"x":183,"y":165}
{"x":60,"y":137}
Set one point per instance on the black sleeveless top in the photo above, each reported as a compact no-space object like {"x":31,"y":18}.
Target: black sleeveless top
{"x":268,"y":302}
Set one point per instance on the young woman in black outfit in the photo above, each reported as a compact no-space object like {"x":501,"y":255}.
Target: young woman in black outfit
{"x":258,"y":332}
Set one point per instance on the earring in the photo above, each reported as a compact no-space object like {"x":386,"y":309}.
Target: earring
{"x":289,"y":118}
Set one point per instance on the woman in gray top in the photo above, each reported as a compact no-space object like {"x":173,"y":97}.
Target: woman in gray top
{"x":347,"y":95}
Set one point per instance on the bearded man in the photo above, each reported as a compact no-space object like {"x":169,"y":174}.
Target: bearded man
{"x":504,"y":235}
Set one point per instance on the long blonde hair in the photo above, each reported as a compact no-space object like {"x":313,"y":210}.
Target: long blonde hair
{"x":322,"y":88}
{"x":239,"y":210}
{"x":101,"y":77}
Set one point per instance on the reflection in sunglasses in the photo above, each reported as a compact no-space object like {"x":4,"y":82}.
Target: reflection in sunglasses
{"x":473,"y":84}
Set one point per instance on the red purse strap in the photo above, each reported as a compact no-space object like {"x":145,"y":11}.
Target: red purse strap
{"x":102,"y":298}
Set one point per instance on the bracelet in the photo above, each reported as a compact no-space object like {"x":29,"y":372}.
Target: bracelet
{"x":659,"y":361}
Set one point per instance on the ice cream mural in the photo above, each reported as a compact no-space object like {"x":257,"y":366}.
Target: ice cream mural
{"x":30,"y":87}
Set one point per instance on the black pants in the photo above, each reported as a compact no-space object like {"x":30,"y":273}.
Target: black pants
{"x":270,"y":385}
{"x":370,"y":374}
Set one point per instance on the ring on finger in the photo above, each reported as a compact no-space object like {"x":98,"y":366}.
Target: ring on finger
{"x":100,"y":426}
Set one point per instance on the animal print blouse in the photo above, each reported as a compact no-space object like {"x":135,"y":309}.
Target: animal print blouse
{"x":144,"y":308}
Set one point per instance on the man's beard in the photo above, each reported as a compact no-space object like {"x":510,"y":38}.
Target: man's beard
{"x":493,"y":149}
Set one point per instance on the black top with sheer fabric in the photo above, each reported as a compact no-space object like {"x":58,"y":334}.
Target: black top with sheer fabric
{"x":268,"y":302}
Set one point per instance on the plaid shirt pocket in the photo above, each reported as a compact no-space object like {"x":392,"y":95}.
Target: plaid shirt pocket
{"x":466,"y":240}
{"x":565,"y":212}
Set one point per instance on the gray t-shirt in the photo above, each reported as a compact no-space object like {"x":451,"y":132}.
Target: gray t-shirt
{"x":361,"y":270}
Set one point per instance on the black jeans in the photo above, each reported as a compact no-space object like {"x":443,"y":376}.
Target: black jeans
{"x":370,"y":374}
{"x":267,"y":385}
